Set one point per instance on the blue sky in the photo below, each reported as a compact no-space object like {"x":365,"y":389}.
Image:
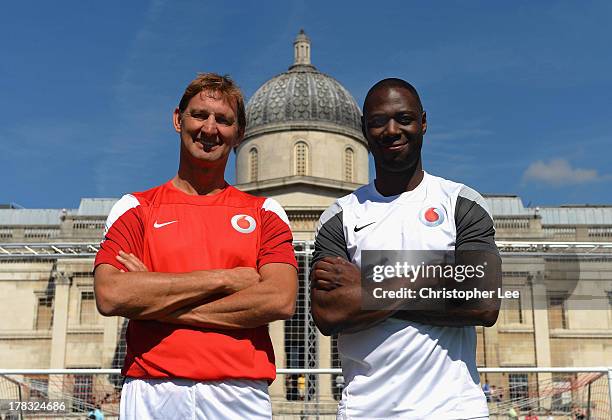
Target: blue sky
{"x":518,"y":95}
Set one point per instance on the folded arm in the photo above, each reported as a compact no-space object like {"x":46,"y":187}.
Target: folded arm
{"x":336,"y":286}
{"x":336,"y":298}
{"x":337,"y":301}
{"x":270,"y":300}
{"x":461,"y":312}
{"x":140,"y":294}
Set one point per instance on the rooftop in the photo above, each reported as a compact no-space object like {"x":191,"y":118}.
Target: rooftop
{"x":501,"y":205}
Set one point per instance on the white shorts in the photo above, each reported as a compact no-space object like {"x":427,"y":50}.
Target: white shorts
{"x":183,"y":399}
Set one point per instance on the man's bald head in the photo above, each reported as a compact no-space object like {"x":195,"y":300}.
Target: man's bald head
{"x":389,"y":83}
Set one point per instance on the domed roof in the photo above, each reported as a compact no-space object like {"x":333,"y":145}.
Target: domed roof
{"x":303,"y":98}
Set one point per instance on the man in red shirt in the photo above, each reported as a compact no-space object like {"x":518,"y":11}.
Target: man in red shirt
{"x":200,"y":268}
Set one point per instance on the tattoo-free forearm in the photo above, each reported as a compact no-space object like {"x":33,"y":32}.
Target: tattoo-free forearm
{"x":149,"y":295}
{"x":271,"y":300}
{"x":339,"y":310}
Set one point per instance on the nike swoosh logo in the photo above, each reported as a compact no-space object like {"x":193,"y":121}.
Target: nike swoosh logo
{"x":357,"y":229}
{"x":158,"y":225}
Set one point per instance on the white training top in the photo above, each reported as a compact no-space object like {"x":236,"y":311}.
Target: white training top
{"x":402,"y":369}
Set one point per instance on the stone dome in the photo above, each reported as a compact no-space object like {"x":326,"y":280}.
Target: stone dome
{"x":303,"y":98}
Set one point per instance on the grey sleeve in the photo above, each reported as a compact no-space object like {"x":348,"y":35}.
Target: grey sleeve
{"x":475,"y":229}
{"x":329,"y":239}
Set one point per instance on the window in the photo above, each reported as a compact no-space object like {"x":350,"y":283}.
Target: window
{"x":338,"y":381}
{"x":562,"y":392}
{"x":513,"y":311}
{"x":39,"y":387}
{"x":300,"y":343}
{"x":609,"y":293}
{"x":519,"y":386}
{"x":88,"y":308}
{"x":348,"y":164}
{"x":301,"y":158}
{"x":556,"y":312}
{"x":44,"y":313}
{"x":119,"y":356}
{"x":82,"y":392}
{"x":253,"y":164}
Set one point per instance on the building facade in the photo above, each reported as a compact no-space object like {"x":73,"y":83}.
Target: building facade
{"x":304,"y":147}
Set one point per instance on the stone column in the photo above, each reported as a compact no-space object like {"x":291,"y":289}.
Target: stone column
{"x":491,"y":345}
{"x":324,"y":354}
{"x":277,"y":334}
{"x":60,"y":321}
{"x":112,"y":326}
{"x":58,"y":334}
{"x":541,"y":334}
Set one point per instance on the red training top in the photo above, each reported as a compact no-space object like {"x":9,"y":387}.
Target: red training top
{"x":174,"y":232}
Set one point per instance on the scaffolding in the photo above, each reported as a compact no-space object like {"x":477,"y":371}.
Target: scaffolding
{"x":89,"y":249}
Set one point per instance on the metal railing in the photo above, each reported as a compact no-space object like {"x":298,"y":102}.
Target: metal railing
{"x":559,"y":392}
{"x":89,"y":249}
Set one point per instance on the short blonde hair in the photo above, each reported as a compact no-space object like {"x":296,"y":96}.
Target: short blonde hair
{"x":216,"y":83}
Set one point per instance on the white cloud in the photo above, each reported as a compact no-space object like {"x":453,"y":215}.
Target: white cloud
{"x":559,"y":172}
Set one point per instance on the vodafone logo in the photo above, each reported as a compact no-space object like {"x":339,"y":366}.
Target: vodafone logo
{"x":431,"y":216}
{"x":243,"y":223}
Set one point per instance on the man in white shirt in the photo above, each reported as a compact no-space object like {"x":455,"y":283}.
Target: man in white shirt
{"x":408,"y":364}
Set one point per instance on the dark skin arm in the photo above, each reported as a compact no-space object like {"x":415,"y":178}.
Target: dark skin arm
{"x":336,"y":303}
{"x":336,"y":298}
{"x":459,"y":312}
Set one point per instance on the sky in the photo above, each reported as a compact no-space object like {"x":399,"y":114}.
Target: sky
{"x":518,"y":94}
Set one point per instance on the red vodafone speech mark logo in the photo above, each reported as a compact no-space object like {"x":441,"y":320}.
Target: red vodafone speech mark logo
{"x":243,"y":223}
{"x":431,"y":216}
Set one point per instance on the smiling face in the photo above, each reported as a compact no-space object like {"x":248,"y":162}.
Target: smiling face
{"x":208,"y":128}
{"x":394,"y":124}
